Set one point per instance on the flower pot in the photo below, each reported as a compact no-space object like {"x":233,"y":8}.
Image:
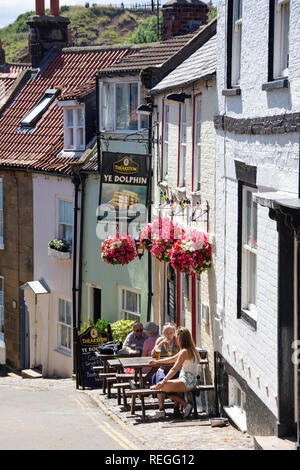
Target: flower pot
{"x":58,"y":254}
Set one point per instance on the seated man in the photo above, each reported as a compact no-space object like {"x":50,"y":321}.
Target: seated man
{"x":136,"y":338}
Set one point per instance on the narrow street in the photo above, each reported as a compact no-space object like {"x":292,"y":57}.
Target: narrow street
{"x":54,"y":416}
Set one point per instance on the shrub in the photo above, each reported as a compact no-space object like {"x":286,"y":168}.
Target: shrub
{"x":120,"y":329}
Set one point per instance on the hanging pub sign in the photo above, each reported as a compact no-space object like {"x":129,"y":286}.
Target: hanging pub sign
{"x":124,"y":186}
{"x":87,"y":344}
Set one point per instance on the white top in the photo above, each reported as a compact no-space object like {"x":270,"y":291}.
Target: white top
{"x":190,"y":365}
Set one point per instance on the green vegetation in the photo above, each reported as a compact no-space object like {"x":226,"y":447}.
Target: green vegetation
{"x":145,"y":32}
{"x":90,"y":26}
{"x":120,"y":329}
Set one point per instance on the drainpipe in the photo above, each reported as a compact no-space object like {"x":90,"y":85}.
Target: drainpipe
{"x":150,"y":293}
{"x":82,"y":178}
{"x":76,"y":181}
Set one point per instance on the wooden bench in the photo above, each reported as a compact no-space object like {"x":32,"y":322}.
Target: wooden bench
{"x":196,"y":392}
{"x":98,"y":369}
{"x":110,"y":381}
{"x":105,"y":376}
{"x":140,"y":393}
{"x":122,"y":386}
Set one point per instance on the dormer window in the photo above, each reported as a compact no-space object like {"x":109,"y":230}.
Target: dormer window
{"x":74,"y":128}
{"x":119,"y":102}
{"x":37,"y":112}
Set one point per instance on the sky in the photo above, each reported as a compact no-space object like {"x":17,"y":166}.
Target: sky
{"x":10,"y":9}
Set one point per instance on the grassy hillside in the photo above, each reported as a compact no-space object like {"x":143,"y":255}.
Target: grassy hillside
{"x":90,"y":26}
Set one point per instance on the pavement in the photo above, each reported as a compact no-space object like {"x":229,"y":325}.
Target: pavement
{"x":119,"y":429}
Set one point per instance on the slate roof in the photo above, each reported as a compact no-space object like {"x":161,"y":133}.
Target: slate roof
{"x":154,"y":55}
{"x":38,"y":147}
{"x":199,"y":65}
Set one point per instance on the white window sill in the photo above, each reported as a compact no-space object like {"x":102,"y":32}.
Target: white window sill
{"x":196,"y":193}
{"x":64,"y":352}
{"x":1,"y":246}
{"x":237,"y":416}
{"x":163,"y":184}
{"x":120,"y":131}
{"x":181,"y":189}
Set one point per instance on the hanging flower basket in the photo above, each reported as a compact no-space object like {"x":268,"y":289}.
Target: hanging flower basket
{"x":192,"y":254}
{"x":167,"y":233}
{"x":119,"y":249}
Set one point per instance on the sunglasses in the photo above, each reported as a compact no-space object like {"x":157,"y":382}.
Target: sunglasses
{"x":138,"y":331}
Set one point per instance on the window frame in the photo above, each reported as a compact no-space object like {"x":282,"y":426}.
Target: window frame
{"x":196,"y":185}
{"x":59,"y":223}
{"x":129,"y":313}
{"x":49,"y":96}
{"x":234,"y":44}
{"x":276,"y":47}
{"x":75,"y":127}
{"x":2,"y":308}
{"x":244,"y":253}
{"x":182,"y":146}
{"x":113,"y":84}
{"x":60,"y":346}
{"x":165,"y":142}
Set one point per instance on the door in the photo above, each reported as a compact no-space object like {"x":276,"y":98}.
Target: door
{"x":25,"y":357}
{"x":171,"y":295}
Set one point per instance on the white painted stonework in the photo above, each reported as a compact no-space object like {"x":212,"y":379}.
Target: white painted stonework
{"x":253,"y":353}
{"x":207,"y":92}
{"x":55,"y":273}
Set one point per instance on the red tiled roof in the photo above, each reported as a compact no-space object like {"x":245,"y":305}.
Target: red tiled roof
{"x":154,"y":55}
{"x":7,"y":78}
{"x":38,"y":148}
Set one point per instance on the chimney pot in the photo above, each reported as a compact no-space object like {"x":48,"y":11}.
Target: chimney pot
{"x":54,"y":7}
{"x":40,"y":7}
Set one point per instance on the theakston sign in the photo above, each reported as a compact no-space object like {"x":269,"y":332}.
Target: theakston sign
{"x":124,"y":186}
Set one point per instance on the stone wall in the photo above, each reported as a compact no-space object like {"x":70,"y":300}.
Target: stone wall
{"x":16,"y":260}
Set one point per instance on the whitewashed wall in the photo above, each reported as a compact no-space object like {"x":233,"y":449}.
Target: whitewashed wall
{"x":56,"y":273}
{"x":253,"y":354}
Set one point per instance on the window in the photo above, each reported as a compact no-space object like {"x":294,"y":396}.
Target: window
{"x":1,"y":308}
{"x":237,"y":404}
{"x":182,"y":145}
{"x":130,"y":304}
{"x":1,"y":215}
{"x":65,"y":224}
{"x":74,"y":128}
{"x":234,"y":42}
{"x":197,"y":143}
{"x":281,"y":38}
{"x":165,"y":144}
{"x":64,"y":325}
{"x":119,"y":102}
{"x":249,"y":252}
{"x":36,"y":113}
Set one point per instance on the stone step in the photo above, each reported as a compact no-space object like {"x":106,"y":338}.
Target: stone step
{"x":273,"y":443}
{"x":31,"y":374}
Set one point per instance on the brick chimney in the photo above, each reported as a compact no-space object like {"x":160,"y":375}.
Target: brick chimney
{"x":40,"y":7}
{"x":46,"y":32}
{"x":183,"y":17}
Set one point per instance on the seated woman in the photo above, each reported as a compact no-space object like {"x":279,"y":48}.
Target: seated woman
{"x":151,"y":330}
{"x":186,"y":360}
{"x":168,"y":345}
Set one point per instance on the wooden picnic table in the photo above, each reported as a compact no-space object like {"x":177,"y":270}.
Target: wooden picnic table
{"x":115,"y":364}
{"x":104,"y":358}
{"x":138,"y":363}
